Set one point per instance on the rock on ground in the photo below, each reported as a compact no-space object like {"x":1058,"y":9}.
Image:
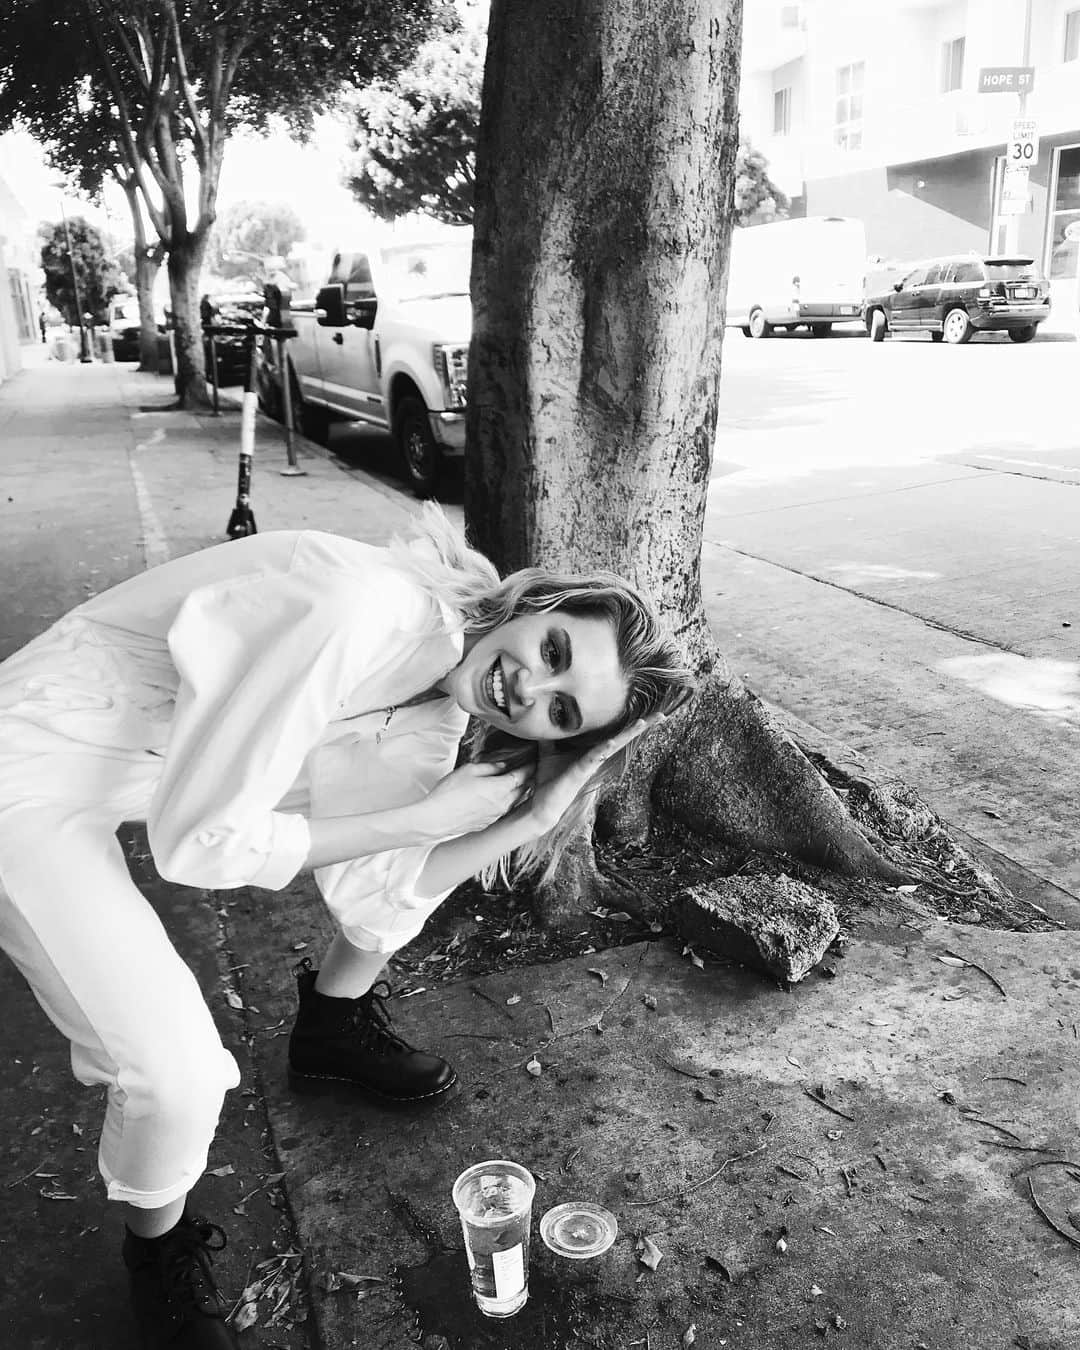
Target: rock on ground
{"x":775,"y":924}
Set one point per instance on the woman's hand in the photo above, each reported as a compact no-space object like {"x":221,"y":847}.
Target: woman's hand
{"x":562,"y":775}
{"x":473,"y":797}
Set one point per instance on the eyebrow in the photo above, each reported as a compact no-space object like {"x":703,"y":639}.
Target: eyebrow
{"x":572,"y":709}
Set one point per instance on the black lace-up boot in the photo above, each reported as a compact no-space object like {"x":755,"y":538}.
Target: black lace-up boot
{"x":177,"y":1305}
{"x":348,"y":1043}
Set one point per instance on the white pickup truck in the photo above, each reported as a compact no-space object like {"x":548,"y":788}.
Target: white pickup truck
{"x":385,"y":342}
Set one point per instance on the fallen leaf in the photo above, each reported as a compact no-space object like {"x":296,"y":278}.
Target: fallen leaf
{"x":823,"y":1229}
{"x":834,"y":1134}
{"x":246,"y":1317}
{"x":56,"y":1195}
{"x":299,"y":946}
{"x":620,"y":916}
{"x":410,"y":993}
{"x":233,"y":999}
{"x":350,"y":1281}
{"x":952,"y":995}
{"x":514,"y":998}
{"x":792,"y":1060}
{"x":534,"y":1067}
{"x":227,"y":1171}
{"x":992,"y":814}
{"x":781,"y":1245}
{"x":600,"y":975}
{"x":76,"y":1129}
{"x":816,"y":1291}
{"x":649,"y":1254}
{"x":695,"y":960}
{"x":952,"y":961}
{"x":689,"y":1335}
{"x":649,"y":1001}
{"x":878,"y":1022}
{"x":907,"y":890}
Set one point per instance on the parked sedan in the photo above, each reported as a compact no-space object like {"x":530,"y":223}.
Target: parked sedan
{"x":124,"y":328}
{"x":954,"y":298}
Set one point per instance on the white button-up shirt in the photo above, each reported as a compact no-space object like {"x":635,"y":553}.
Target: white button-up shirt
{"x":231,"y":695}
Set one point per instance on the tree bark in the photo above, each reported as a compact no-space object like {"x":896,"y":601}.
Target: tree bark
{"x":185,"y":260}
{"x":148,"y":259}
{"x":604,"y":205}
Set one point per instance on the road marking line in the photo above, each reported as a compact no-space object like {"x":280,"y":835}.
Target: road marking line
{"x":155,"y":544}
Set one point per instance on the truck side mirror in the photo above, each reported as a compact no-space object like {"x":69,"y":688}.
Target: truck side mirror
{"x":330,"y":307}
{"x":363,"y":313}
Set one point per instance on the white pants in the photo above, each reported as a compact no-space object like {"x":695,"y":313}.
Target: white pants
{"x":104,"y":970}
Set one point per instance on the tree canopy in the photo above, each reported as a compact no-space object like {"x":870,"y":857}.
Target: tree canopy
{"x":250,"y":232}
{"x":97,"y":275}
{"x":414,"y":142}
{"x":172,"y":79}
{"x":757,"y":198}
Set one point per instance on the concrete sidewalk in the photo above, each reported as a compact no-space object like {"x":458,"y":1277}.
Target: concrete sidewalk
{"x":895,"y":1215}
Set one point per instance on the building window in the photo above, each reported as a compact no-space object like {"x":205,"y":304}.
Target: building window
{"x":849,"y":106}
{"x":1072,"y":35}
{"x":781,"y":112}
{"x":952,"y":65}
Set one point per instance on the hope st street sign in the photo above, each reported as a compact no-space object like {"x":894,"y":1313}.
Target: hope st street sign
{"x":1006,"y":79}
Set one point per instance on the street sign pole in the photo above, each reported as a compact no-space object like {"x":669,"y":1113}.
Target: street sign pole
{"x":1012,"y":230}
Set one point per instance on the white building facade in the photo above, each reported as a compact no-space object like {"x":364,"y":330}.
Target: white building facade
{"x":873,"y":108}
{"x":20,"y":278}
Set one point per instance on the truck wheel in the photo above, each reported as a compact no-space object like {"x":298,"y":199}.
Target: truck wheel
{"x":417,"y":447}
{"x":1024,"y":334}
{"x":878,"y":325}
{"x":760,"y":327}
{"x":957,"y":327}
{"x":746,"y":330}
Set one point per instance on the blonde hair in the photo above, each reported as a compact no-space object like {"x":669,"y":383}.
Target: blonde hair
{"x":656,"y":678}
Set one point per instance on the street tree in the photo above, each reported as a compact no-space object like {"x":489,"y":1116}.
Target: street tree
{"x":180,"y":76}
{"x":757,"y":198}
{"x":606,"y":168}
{"x":96,"y":277}
{"x":248,"y":233}
{"x":80,"y":135}
{"x":414,"y":141}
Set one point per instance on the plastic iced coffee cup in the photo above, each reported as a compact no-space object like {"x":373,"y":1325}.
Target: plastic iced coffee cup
{"x":494,"y":1200}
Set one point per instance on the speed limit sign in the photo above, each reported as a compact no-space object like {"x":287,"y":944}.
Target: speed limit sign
{"x":1023,"y":150}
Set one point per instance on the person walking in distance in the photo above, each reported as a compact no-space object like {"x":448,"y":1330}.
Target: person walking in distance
{"x":289,"y":700}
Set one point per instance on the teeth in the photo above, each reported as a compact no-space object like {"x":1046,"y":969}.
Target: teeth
{"x":498,"y":693}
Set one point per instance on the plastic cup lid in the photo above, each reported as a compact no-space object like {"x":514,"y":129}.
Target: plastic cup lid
{"x":578,"y":1229}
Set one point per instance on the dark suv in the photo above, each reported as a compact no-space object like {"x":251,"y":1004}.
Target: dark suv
{"x":953,"y":298}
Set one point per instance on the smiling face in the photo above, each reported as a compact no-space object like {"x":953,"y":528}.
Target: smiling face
{"x":542,"y":677}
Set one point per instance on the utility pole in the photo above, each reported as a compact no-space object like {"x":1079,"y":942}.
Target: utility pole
{"x":84,"y":346}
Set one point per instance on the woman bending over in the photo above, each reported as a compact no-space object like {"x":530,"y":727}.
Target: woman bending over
{"x":291,"y":700}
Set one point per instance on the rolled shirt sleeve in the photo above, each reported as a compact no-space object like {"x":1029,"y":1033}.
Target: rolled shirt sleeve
{"x":264,"y":662}
{"x":374,"y":898}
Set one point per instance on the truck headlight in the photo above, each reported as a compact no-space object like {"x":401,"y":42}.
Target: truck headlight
{"x":451,"y":365}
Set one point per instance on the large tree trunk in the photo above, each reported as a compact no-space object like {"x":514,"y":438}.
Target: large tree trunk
{"x":604,"y":202}
{"x":185,"y":263}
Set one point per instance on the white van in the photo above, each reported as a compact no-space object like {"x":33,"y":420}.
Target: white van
{"x":796,"y":272}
